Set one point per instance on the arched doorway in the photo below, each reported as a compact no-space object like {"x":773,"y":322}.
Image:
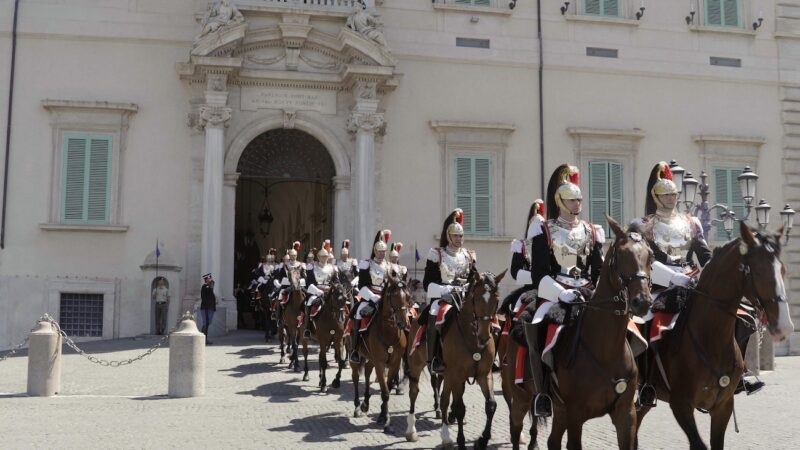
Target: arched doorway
{"x":284,"y":193}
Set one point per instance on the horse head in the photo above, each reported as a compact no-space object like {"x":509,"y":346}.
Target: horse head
{"x":396,"y":299}
{"x":341,"y":292}
{"x":627,"y":268}
{"x":481,"y":299}
{"x":763,"y":272}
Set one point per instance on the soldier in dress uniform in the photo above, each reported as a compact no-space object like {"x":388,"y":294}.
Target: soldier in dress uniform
{"x":371,"y":275}
{"x":446,"y":272}
{"x":521,"y":262}
{"x":347,"y":265}
{"x":290,"y":263}
{"x":394,"y":260}
{"x":566,"y":255}
{"x":318,"y":280}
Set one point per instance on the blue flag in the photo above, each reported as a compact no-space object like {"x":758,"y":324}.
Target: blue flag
{"x":158,"y":252}
{"x":416,"y":255}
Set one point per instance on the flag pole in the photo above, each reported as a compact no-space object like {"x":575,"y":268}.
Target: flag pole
{"x":416,"y":253}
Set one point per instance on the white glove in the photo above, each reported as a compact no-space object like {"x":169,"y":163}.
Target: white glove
{"x":285,"y":282}
{"x":277,"y":285}
{"x":568,"y":295}
{"x":302,"y":283}
{"x":261,"y":280}
{"x":367,"y":294}
{"x":680,"y":279}
{"x":524,"y":277}
{"x":313,"y":290}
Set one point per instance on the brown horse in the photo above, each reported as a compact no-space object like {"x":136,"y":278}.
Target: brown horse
{"x":518,"y":396}
{"x":383,"y":345}
{"x":596,"y":373}
{"x":417,"y":361}
{"x":329,"y":331}
{"x":468,"y":351}
{"x":287,"y":329}
{"x":702,"y":364}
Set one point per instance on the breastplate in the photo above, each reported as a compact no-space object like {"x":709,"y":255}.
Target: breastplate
{"x":377,"y":272}
{"x":569,"y":244}
{"x":454,"y":266}
{"x":400,"y":270}
{"x":345,"y":265}
{"x":267,"y":269}
{"x":323,"y":274}
{"x":672,"y":235}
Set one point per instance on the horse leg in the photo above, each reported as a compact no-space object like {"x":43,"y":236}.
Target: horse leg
{"x":558,"y":429}
{"x":534,"y":431}
{"x":281,"y":338}
{"x":367,"y":395}
{"x":436,"y":384}
{"x":460,"y":410}
{"x":305,"y":358}
{"x":684,"y":414}
{"x":720,"y":417}
{"x":444,"y":403}
{"x":337,"y":354}
{"x":323,"y":367}
{"x":355,"y":369}
{"x":487,"y":387}
{"x":516,"y":418}
{"x":574,"y":434}
{"x":624,"y":420}
{"x":413,"y":391}
{"x":639,"y":419}
{"x":383,"y":383}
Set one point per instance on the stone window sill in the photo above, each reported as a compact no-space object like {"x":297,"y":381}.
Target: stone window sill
{"x":722,"y":30}
{"x":474,"y":9}
{"x":602,"y":20}
{"x":482,"y":238}
{"x":83,"y":227}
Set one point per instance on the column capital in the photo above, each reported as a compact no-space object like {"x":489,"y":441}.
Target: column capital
{"x":231,"y":179}
{"x":341,"y":183}
{"x":213,"y":116}
{"x":368,"y":122}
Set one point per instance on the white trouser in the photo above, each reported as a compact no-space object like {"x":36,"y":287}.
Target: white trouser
{"x":664,"y":275}
{"x":435,"y":294}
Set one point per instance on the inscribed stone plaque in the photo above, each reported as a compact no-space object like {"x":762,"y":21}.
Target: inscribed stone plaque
{"x":254,"y":98}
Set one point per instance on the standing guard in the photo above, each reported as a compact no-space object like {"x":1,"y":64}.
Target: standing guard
{"x":371,"y":275}
{"x":394,"y":259}
{"x":318,"y":280}
{"x":566,"y":255}
{"x":446,"y":273}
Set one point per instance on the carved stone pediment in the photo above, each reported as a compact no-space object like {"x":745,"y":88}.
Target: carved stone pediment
{"x":219,"y":42}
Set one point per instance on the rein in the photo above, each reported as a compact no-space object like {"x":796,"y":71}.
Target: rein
{"x":479,"y":348}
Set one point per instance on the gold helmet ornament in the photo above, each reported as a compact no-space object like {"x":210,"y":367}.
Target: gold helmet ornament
{"x":395,"y":253}
{"x":563,"y":185}
{"x":325,"y":249}
{"x":659,"y":183}
{"x":295,"y":250}
{"x":381,"y":242}
{"x":453,"y":225}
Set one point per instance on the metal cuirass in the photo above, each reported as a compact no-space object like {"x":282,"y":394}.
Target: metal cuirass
{"x":345,"y":265}
{"x":454,"y":267}
{"x":323,"y":274}
{"x":673,"y":235}
{"x":570,"y":245}
{"x":377,"y":271}
{"x":400,"y":270}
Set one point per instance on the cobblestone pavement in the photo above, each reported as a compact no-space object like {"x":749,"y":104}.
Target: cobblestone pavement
{"x":252,"y":402}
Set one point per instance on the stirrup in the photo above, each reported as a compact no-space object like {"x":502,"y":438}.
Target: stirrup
{"x":355,"y":357}
{"x":542,"y":406}
{"x":647,"y":396}
{"x":752,"y":387}
{"x":307,"y":333}
{"x":436,"y":366}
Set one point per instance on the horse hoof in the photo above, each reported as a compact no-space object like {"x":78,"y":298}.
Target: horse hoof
{"x":306,"y":377}
{"x":357,"y":413}
{"x":364,"y":407}
{"x":282,"y":361}
{"x":399,"y":391}
{"x":387,"y":429}
{"x":324,"y":389}
{"x":382,"y":420}
{"x":335,"y":384}
{"x":480,"y":444}
{"x":412,"y":437}
{"x":438,"y":414}
{"x":451,"y":418}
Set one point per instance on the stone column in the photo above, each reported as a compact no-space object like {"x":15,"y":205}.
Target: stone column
{"x":214,"y":117}
{"x":342,"y":228}
{"x":228,"y":225}
{"x":365,"y":122}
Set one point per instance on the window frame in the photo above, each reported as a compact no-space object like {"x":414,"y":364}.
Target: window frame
{"x":621,"y":9}
{"x":469,"y":228}
{"x":482,"y":140}
{"x":739,"y":15}
{"x":71,"y":118}
{"x":89,"y":137}
{"x":107,"y":288}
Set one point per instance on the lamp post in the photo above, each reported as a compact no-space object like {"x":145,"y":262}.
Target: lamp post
{"x":748,"y":180}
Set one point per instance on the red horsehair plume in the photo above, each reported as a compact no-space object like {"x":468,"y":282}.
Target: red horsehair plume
{"x":459,"y":216}
{"x":327,"y":245}
{"x":387,"y":234}
{"x":346,"y":243}
{"x":296,"y":246}
{"x":539,"y":206}
{"x":574,"y":175}
{"x":665,"y":173}
{"x":398,"y":246}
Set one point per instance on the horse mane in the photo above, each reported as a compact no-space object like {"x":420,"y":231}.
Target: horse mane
{"x":717,"y":258}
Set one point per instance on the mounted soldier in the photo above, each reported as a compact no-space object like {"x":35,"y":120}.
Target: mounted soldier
{"x":394,"y":260}
{"x":318,"y":282}
{"x":446,"y":271}
{"x":347,"y":265}
{"x":371,"y":275}
{"x":521,"y":262}
{"x":566,"y":254}
{"x":290,"y":263}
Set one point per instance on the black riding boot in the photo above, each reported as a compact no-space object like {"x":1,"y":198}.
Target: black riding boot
{"x":355,"y":334}
{"x":434,"y":346}
{"x":743,"y":333}
{"x":306,"y":322}
{"x":542,"y":404}
{"x":647,"y":393}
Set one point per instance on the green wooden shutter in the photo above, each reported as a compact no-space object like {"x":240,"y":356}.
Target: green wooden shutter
{"x":598,"y":193}
{"x":473,"y":193}
{"x":713,"y":12}
{"x":474,"y":2}
{"x":727,"y":192}
{"x":602,"y":7}
{"x":616,"y":193}
{"x":730,"y":13}
{"x":86,"y":178}
{"x":611,"y":7}
{"x":591,"y":7}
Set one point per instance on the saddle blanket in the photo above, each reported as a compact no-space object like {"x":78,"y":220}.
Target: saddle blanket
{"x":509,"y":322}
{"x":418,"y":338}
{"x":363,"y":325}
{"x":284,"y":298}
{"x":663,"y":322}
{"x":522,"y":370}
{"x":637,"y":342}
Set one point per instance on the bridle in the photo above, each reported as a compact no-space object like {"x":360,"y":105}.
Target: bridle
{"x":400,"y":286}
{"x":620,"y":282}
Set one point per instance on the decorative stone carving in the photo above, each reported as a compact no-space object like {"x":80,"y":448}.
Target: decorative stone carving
{"x":369,"y":122}
{"x":367,"y":25}
{"x":220,"y":15}
{"x":216,"y":82}
{"x":214,"y":116}
{"x":266,"y":61}
{"x":333,"y":66}
{"x":366,"y":90}
{"x":288,"y":118}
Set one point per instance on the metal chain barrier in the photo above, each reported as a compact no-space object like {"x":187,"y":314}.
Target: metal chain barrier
{"x":15,"y":349}
{"x":94,"y":359}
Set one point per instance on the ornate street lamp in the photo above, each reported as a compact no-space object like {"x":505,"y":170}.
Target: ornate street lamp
{"x":762,"y":213}
{"x":677,"y":175}
{"x":747,"y":183}
{"x":787,"y":217}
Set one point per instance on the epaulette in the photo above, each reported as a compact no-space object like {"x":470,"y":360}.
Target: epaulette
{"x":599,"y":234}
{"x":516,"y":246}
{"x":433,"y":255}
{"x":535,"y":227}
{"x":363,"y":265}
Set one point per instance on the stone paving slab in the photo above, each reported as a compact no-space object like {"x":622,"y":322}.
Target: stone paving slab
{"x":252,"y":402}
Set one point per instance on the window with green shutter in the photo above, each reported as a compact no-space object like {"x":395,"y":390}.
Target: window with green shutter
{"x":727,"y":192}
{"x":602,"y":7}
{"x":473,"y":193}
{"x":723,"y":13}
{"x":605,"y":193}
{"x":86,"y":175}
{"x":473,"y":2}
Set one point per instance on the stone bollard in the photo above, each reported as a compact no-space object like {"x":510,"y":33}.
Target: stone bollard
{"x":44,"y":361}
{"x":187,"y":360}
